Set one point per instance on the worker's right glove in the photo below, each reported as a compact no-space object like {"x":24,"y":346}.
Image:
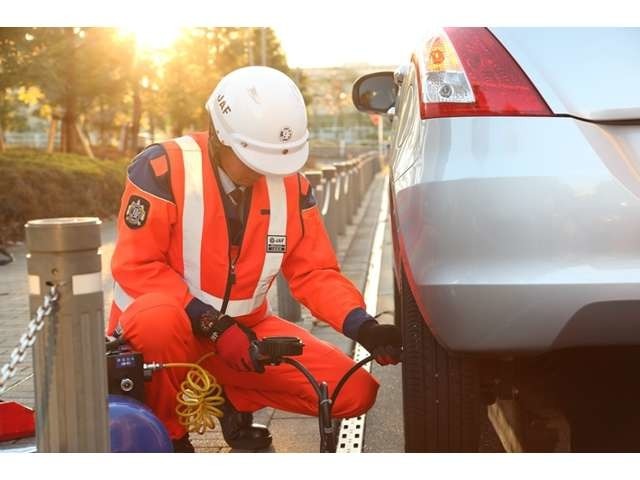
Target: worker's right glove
{"x":234,"y":345}
{"x":233,"y":340}
{"x":382,"y":341}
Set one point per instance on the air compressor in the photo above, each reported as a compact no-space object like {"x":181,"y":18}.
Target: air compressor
{"x":134,"y":428}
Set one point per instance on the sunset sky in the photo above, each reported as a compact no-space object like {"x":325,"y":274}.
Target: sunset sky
{"x":316,"y":33}
{"x":323,"y":45}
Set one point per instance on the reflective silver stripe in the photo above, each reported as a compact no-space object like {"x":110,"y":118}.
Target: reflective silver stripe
{"x":192,"y":231}
{"x":277,"y":227}
{"x":34,"y":285}
{"x":234,"y":307}
{"x":193,"y":211}
{"x":86,"y":283}
{"x":120,"y":297}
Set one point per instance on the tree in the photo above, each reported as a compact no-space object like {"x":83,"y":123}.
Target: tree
{"x":200,"y":58}
{"x":203,"y":56}
{"x":78,"y":69}
{"x":96,"y":80}
{"x":14,"y":58}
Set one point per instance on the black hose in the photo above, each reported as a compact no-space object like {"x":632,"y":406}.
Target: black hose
{"x":347,"y":375}
{"x":305,"y":372}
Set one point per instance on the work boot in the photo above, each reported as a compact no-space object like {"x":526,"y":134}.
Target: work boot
{"x":183,"y":445}
{"x":240,"y":432}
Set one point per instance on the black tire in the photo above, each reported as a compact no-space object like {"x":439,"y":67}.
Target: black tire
{"x":396,"y":303}
{"x":440,"y":391}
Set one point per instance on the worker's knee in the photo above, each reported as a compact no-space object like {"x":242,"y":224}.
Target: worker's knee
{"x":154,"y":321}
{"x":358,"y":395}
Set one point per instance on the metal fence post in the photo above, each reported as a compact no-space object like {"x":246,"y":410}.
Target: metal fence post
{"x":288,"y":307}
{"x":328,"y":208}
{"x":68,"y":357}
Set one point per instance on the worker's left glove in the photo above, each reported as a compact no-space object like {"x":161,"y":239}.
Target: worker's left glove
{"x":382,"y":341}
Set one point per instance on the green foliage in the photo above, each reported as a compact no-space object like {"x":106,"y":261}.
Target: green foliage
{"x":101,"y":78}
{"x":202,"y":57}
{"x":15,"y":56}
{"x":37,"y":185}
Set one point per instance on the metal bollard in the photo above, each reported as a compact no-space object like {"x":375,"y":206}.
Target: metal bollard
{"x":69,"y":364}
{"x":364,"y":165}
{"x":353,"y":190}
{"x":328,"y":208}
{"x":363,"y":175}
{"x":377,"y":164}
{"x":370,"y":169}
{"x":359,"y":194}
{"x":347,"y":192}
{"x":341,"y":193}
{"x":288,"y":307}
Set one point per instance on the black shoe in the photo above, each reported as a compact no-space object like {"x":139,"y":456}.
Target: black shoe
{"x":240,"y":432}
{"x":183,"y":445}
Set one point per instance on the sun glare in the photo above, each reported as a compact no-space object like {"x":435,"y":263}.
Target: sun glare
{"x":153,"y":38}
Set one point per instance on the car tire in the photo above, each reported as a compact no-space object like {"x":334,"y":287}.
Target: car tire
{"x":441,"y":395}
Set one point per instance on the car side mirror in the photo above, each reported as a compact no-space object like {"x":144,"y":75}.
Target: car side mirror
{"x":375,"y":93}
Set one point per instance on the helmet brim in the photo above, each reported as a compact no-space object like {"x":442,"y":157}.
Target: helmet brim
{"x":273,"y":164}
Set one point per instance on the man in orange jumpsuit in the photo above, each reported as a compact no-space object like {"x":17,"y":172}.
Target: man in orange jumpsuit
{"x":206,"y":222}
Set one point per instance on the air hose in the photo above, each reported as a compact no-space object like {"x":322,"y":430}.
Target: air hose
{"x":199,"y":399}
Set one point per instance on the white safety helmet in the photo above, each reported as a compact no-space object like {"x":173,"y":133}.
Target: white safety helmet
{"x":260,"y":113}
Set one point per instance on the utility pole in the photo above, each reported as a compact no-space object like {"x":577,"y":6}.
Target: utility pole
{"x":249,"y":44}
{"x":263,"y":45}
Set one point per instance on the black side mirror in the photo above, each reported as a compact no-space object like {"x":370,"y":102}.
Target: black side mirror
{"x":375,"y":92}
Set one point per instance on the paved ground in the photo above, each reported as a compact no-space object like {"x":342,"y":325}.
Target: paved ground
{"x":292,"y":433}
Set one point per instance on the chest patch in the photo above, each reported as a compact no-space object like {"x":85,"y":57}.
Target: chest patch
{"x":276,"y":243}
{"x":137,"y":212}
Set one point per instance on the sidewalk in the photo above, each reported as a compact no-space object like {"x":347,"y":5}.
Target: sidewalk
{"x":291,"y":433}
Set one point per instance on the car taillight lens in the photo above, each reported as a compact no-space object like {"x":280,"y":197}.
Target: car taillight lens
{"x":467,"y":72}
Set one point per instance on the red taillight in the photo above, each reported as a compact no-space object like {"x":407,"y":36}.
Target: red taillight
{"x":499,"y":85}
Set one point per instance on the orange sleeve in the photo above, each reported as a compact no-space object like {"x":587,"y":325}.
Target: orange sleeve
{"x":140,"y":259}
{"x":314,"y":276}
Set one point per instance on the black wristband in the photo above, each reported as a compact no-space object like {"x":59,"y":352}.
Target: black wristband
{"x":220,"y":325}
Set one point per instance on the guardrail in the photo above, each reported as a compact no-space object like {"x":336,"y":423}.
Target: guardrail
{"x":339,"y":188}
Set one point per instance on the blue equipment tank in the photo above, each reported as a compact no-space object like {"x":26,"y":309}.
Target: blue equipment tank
{"x":134,"y":427}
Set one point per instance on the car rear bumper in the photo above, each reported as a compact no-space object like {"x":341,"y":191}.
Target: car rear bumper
{"x":523,"y":234}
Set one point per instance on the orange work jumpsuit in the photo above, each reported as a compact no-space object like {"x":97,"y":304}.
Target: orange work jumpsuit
{"x":173,"y":258}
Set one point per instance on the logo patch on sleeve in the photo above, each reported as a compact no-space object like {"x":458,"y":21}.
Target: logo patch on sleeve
{"x":276,"y":243}
{"x":137,"y":212}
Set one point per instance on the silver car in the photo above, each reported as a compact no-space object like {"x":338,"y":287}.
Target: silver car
{"x":515,"y":205}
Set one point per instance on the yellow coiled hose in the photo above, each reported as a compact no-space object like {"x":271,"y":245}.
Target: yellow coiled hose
{"x":199,"y":399}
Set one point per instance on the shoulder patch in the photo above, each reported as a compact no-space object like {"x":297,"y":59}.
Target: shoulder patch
{"x":149,"y":171}
{"x":137,"y":212}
